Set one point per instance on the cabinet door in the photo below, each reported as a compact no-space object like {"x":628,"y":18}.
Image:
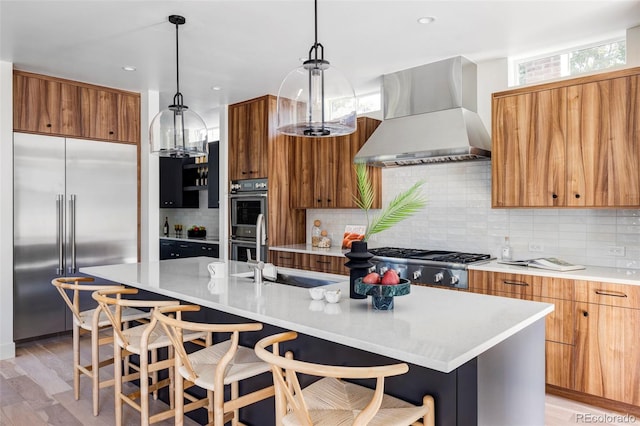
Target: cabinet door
{"x":528,"y":154}
{"x":603,"y":143}
{"x":248,"y":138}
{"x":167,"y":249}
{"x":99,"y":114}
{"x":608,"y":352}
{"x":170,"y":182}
{"x":208,"y":250}
{"x":128,"y":118}
{"x":45,"y":106}
{"x":325,"y":171}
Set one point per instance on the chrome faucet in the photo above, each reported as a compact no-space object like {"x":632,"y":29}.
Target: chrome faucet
{"x":261,"y":239}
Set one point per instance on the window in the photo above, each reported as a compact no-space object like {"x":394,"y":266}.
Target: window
{"x":567,"y":63}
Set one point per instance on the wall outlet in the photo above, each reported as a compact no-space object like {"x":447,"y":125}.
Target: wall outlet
{"x":536,"y":247}
{"x":615,"y":251}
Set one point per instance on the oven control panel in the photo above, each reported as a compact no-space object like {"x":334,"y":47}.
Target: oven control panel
{"x":248,"y":185}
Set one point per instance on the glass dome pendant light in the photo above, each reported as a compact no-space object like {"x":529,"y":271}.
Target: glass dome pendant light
{"x":177,"y":131}
{"x":315,"y":99}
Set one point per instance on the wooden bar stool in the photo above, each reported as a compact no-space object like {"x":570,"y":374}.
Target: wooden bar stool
{"x":214,"y":367}
{"x":332,"y":401}
{"x":93,"y":321}
{"x":144,"y":341}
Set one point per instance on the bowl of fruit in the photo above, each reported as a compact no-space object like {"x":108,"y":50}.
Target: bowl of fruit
{"x":383,"y":288}
{"x":197,"y":232}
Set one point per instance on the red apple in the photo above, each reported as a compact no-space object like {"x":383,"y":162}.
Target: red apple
{"x":372,"y":278}
{"x":390,"y":278}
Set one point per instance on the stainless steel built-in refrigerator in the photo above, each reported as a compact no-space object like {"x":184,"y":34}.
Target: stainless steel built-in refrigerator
{"x":75,"y":205}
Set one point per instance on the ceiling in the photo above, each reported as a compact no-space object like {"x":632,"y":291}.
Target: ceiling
{"x":247,"y":47}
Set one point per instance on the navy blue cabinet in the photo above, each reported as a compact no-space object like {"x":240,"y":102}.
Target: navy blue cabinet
{"x":175,"y":249}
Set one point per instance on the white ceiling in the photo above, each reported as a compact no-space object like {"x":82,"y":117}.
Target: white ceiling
{"x":247,"y":47}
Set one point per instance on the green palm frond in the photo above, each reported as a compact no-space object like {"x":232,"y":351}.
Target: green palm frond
{"x":404,"y":205}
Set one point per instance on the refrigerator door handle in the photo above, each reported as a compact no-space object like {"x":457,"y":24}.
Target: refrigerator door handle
{"x":72,"y":232}
{"x":59,"y":230}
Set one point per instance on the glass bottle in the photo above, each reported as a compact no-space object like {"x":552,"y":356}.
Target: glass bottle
{"x":165,"y":229}
{"x":506,"y":253}
{"x":315,"y":233}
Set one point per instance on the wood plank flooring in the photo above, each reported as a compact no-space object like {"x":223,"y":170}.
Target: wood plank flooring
{"x":36,"y":388}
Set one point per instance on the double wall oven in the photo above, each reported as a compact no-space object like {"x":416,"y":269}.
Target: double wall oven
{"x":247,"y":199}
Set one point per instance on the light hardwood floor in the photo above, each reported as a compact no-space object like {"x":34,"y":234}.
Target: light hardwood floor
{"x":36,"y":388}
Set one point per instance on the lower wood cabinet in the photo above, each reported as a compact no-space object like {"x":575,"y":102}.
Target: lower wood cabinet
{"x":592,"y":337}
{"x":309,"y":262}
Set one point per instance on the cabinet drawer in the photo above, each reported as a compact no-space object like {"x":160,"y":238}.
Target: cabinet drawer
{"x":284,"y":259}
{"x":516,"y":285}
{"x":623,"y":295}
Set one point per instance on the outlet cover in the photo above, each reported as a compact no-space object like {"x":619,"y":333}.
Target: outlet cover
{"x":536,"y":247}
{"x":615,"y":251}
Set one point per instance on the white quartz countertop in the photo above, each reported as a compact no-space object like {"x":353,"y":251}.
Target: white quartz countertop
{"x":430,"y":327}
{"x":590,"y":273}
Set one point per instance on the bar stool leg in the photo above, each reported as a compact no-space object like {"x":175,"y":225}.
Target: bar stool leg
{"x":95,"y":368}
{"x":234,"y":395}
{"x":144,"y":388}
{"x":179,"y":410}
{"x":117,"y":385}
{"x":172,"y":396}
{"x":154,"y":374}
{"x":76,"y":360}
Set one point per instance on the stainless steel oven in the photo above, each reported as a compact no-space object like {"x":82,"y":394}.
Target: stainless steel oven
{"x":247,"y":199}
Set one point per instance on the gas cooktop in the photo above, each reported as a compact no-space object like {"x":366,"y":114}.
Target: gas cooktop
{"x":431,"y":255}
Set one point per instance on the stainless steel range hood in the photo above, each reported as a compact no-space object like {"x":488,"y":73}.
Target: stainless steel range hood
{"x":429,"y":117}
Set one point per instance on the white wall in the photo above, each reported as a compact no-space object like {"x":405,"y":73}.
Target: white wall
{"x":7,"y":347}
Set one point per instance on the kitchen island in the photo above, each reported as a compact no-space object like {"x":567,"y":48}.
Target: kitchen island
{"x":482,"y":357}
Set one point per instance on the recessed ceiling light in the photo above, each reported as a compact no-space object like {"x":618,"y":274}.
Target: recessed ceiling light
{"x":426,"y":19}
{"x":216,"y":88}
{"x":129,"y":68}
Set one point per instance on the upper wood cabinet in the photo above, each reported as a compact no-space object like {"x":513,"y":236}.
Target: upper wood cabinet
{"x":55,"y":106}
{"x":251,"y":127}
{"x":574,"y":143}
{"x":324,"y":176}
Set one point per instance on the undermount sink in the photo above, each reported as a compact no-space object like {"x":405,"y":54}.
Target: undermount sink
{"x":292,"y":279}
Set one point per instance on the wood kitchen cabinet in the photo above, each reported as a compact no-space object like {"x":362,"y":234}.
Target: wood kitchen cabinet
{"x":45,"y":106}
{"x":324,"y":176}
{"x":251,"y":127}
{"x":55,"y":106}
{"x":592,"y":346}
{"x":309,"y":262}
{"x":608,"y":341}
{"x":573,"y":143}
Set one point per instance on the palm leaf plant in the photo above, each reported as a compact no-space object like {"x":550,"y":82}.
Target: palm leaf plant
{"x":404,"y":205}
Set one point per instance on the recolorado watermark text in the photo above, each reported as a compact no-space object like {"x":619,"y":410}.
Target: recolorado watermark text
{"x":605,"y":418}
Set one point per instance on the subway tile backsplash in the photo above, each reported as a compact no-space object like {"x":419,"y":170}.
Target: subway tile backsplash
{"x":202,"y":216}
{"x":459,"y":216}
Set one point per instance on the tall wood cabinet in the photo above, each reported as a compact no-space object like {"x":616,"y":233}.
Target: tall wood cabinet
{"x":592,"y":345}
{"x":573,"y":143}
{"x":251,"y":127}
{"x":55,"y":106}
{"x":324,"y":175}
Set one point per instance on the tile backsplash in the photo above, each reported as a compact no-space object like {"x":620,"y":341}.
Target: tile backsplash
{"x":459,"y":216}
{"x":202,"y":216}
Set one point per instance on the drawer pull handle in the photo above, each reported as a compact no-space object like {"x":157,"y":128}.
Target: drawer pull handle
{"x":515,"y":283}
{"x":326,"y":262}
{"x":285,"y":257}
{"x":610,"y":293}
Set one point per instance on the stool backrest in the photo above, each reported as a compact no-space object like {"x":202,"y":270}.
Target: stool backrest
{"x":288,"y":389}
{"x":113,"y":297}
{"x":74,"y":284}
{"x":174,"y":328}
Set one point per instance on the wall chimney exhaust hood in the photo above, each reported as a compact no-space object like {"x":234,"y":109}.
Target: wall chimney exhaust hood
{"x":429,"y":117}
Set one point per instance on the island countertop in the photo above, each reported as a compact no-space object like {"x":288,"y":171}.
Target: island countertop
{"x":434,"y":328}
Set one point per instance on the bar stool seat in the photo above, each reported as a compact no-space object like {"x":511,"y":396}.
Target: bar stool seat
{"x":333,"y":401}
{"x":204,"y":362}
{"x":131,"y":339}
{"x":85,"y":318}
